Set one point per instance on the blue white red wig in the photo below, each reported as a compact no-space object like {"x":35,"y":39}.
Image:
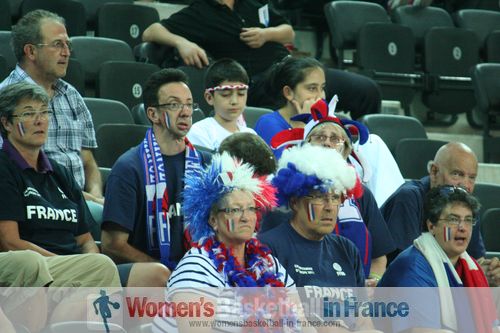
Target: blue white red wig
{"x":205,"y":188}
{"x":306,"y":168}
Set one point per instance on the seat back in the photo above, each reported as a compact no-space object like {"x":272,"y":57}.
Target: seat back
{"x":72,"y":11}
{"x":413,"y":154}
{"x":92,"y":7}
{"x":84,"y":49}
{"x":161,"y":55}
{"x":490,"y":229}
{"x":488,"y":195}
{"x":393,"y":128}
{"x":123,"y":81}
{"x":346,"y":18}
{"x":107,"y":111}
{"x":493,"y":47}
{"x":5,"y":16}
{"x":482,"y":22}
{"x":115,"y":139}
{"x":197,"y":85}
{"x":420,"y":19}
{"x":252,"y":114}
{"x":15,"y":9}
{"x":75,"y":75}
{"x":3,"y":68}
{"x":125,"y":21}
{"x":6,"y":50}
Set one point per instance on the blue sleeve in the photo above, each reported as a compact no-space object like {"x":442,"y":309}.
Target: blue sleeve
{"x":124,"y":193}
{"x":382,"y":242}
{"x":403,"y":213}
{"x":268,"y":125}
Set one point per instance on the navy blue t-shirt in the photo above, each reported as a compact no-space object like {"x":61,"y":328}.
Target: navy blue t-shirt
{"x":336,"y":260}
{"x":48,"y":206}
{"x":125,"y":203}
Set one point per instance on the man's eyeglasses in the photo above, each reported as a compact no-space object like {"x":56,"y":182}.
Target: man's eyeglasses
{"x":58,"y":44}
{"x":323,"y":199}
{"x":237,"y":212}
{"x":453,"y":220}
{"x":33,"y":115}
{"x":324,"y":138}
{"x":175,"y":107}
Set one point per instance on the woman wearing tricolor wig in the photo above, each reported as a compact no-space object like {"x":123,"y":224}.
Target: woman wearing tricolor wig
{"x":221,"y":205}
{"x":438,"y":258}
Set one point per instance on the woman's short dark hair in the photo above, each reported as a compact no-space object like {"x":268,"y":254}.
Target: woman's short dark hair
{"x":11,"y":95}
{"x":250,"y":148}
{"x":439,"y":197}
{"x":289,"y":72}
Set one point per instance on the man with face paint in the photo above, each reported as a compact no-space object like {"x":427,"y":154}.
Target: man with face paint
{"x":143,"y":219}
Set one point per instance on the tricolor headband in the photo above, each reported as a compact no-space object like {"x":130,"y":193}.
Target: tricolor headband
{"x":227,"y":87}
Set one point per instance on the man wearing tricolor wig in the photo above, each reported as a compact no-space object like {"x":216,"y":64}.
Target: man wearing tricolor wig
{"x":359,"y":219}
{"x":313,"y":181}
{"x":438,"y":258}
{"x":143,"y":220}
{"x":221,"y":204}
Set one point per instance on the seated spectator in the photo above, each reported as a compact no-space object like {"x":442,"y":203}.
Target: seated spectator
{"x":359,"y":219}
{"x":143,"y":216}
{"x":251,"y":149}
{"x":438,"y":258}
{"x":226,"y":86}
{"x":221,"y":205}
{"x":254,"y":34}
{"x":296,"y":85}
{"x":42,"y":207}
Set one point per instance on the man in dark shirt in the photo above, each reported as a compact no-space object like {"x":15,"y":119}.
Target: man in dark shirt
{"x":253,"y":34}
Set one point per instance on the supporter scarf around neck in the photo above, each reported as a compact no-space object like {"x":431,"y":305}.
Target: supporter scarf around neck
{"x":157,"y":220}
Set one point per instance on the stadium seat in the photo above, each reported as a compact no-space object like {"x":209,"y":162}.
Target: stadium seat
{"x":413,"y":154}
{"x":449,"y":56}
{"x":125,"y":21}
{"x":197,"y":85}
{"x":107,"y":111}
{"x":488,"y":195}
{"x":386,"y":53}
{"x":482,"y":22}
{"x":123,"y":81}
{"x":493,"y":47}
{"x":393,"y":128}
{"x":15,"y":9}
{"x":252,"y":114}
{"x":85,"y":51}
{"x":161,"y":55}
{"x":75,"y":75}
{"x":115,"y":139}
{"x":5,"y":16}
{"x":346,"y":18}
{"x":490,"y":229}
{"x":487,"y":91}
{"x":6,"y":50}
{"x":72,"y":11}
{"x":3,"y":68}
{"x":92,"y":7}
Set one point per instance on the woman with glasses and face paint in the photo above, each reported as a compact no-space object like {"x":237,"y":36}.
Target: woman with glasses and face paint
{"x":438,"y":258}
{"x":221,"y":205}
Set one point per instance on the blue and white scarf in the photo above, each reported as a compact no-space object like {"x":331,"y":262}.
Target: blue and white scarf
{"x":157,"y":220}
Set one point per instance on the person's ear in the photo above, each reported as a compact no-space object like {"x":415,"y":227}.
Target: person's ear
{"x":288,"y":93}
{"x":209,"y":97}
{"x":212,"y":221}
{"x":431,"y":227}
{"x":6,"y":124}
{"x":293,"y":204}
{"x":152,"y":115}
{"x":29,"y":51}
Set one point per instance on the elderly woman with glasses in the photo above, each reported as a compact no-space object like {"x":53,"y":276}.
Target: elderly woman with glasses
{"x":438,"y":258}
{"x":221,"y":205}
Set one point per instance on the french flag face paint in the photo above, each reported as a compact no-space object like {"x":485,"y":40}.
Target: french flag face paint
{"x":230,"y":225}
{"x":167,"y":119}
{"x":20,"y":129}
{"x":310,"y":212}
{"x":447,"y":233}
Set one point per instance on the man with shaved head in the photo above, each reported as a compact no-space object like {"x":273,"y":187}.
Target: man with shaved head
{"x":454,"y":164}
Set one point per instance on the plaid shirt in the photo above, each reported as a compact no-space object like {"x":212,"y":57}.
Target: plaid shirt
{"x":71,"y":127}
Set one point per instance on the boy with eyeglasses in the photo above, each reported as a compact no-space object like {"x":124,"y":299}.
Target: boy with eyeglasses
{"x":143,"y":218}
{"x":226,"y":89}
